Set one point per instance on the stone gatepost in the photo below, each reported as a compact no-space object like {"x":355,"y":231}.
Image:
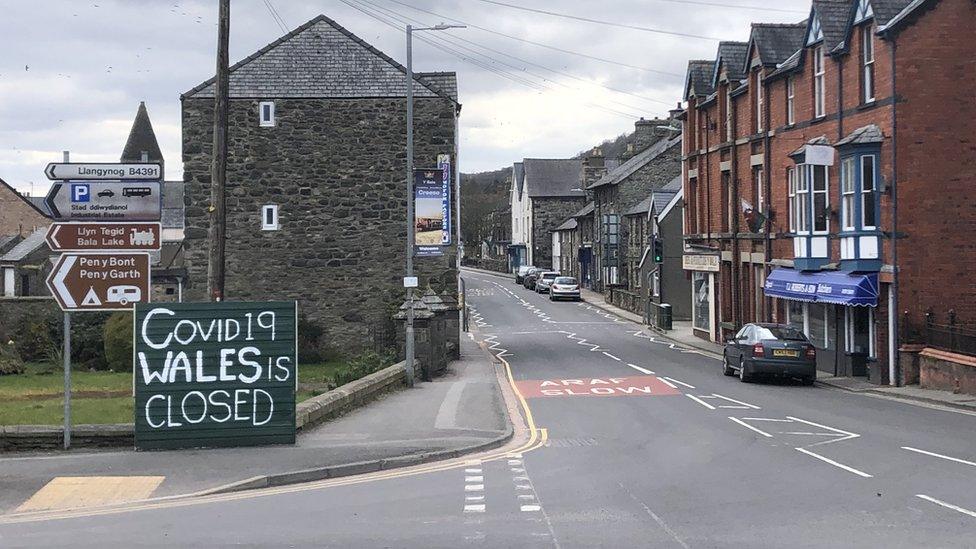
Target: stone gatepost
{"x":423,"y":318}
{"x":452,"y":325}
{"x":438,"y":330}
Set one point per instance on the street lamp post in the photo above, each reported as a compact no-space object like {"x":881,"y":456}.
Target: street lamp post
{"x":411,"y":224}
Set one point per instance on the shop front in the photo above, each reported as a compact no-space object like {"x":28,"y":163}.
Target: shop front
{"x":703,"y":269}
{"x":836,"y":310}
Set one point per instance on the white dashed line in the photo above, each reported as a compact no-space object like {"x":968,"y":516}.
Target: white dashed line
{"x":835,"y":464}
{"x":933,"y":454}
{"x":739,"y":402}
{"x":747,"y":426}
{"x":473,"y":471}
{"x":700,"y":401}
{"x":474,"y":487}
{"x":611,"y":356}
{"x":641,"y":370}
{"x":671,"y":379}
{"x":474,"y":508}
{"x":523,"y":486}
{"x":526,"y":496}
{"x":474,"y":479}
{"x":474,"y":498}
{"x":666,"y":382}
{"x":947,"y":505}
{"x":531,"y":508}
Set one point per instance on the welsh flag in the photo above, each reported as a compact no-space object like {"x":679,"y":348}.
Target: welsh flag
{"x":754,"y":218}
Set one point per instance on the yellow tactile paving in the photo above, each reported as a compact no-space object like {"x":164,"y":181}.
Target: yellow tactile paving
{"x":81,"y":492}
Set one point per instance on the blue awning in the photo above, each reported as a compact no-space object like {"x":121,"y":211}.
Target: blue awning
{"x":824,"y":287}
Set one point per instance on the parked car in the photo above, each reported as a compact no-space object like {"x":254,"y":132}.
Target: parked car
{"x":544,"y":281}
{"x":770,"y":349}
{"x":521,"y":272}
{"x":564,"y":287}
{"x":531,"y":277}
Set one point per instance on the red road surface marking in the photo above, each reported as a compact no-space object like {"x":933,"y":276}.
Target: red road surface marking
{"x":602,"y":386}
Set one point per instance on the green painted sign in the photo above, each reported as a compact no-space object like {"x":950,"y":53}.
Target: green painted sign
{"x":215,"y":374}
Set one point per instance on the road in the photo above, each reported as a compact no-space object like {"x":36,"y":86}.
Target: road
{"x":647,"y":445}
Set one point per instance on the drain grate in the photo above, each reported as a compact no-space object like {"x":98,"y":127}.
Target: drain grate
{"x":571,"y":442}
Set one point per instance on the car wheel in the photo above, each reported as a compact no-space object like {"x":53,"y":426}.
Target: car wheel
{"x":808,"y":381}
{"x":551,"y":298}
{"x":743,"y":376}
{"x":726,"y":367}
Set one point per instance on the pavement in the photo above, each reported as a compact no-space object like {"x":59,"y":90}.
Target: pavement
{"x":639,"y":442}
{"x":458,"y":411}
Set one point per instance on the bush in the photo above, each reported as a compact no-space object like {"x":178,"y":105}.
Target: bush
{"x":118,"y":342}
{"x":88,"y":340}
{"x":362,"y":365}
{"x":10,"y":361}
{"x":34,"y":337}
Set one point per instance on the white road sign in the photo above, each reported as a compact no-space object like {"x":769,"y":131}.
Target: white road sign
{"x":104,"y":172}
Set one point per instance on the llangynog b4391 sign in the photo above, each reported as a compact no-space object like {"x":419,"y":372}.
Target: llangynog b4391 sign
{"x":215,"y":374}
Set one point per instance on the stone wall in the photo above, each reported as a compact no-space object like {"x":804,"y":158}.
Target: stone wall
{"x":947,"y":371}
{"x":336,"y":171}
{"x":547,"y":214}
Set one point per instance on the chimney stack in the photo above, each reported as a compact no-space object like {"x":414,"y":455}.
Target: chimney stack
{"x":594,"y":167}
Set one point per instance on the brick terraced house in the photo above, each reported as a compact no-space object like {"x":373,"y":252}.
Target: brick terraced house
{"x":829,"y":181}
{"x":316,"y":190}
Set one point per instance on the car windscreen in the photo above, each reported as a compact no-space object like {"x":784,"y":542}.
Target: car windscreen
{"x":787,"y":333}
{"x":549,"y":276}
{"x":565,"y":280}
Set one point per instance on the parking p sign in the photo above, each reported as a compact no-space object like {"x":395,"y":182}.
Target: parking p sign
{"x":80,"y":192}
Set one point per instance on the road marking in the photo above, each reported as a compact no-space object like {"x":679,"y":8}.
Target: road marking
{"x":518,"y":470}
{"x":447,"y":413}
{"x":473,"y":462}
{"x":641,"y":370}
{"x":671,"y":379}
{"x":474,"y":508}
{"x":473,"y":471}
{"x":531,"y":508}
{"x":768,"y":419}
{"x":747,"y":426}
{"x":474,"y":498}
{"x":611,"y":356}
{"x":807,"y":433}
{"x":834,"y":463}
{"x":474,"y":479}
{"x":81,"y":492}
{"x":700,"y":401}
{"x":660,"y":522}
{"x":666,"y":382}
{"x":947,"y":505}
{"x":515,"y":462}
{"x":526,"y":496}
{"x":474,"y":487}
{"x":523,"y":486}
{"x":521,"y":478}
{"x":739,"y":402}
{"x":933,"y":454}
{"x":844,"y":435}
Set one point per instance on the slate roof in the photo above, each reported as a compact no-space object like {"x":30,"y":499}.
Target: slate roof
{"x":886,"y":10}
{"x":642,"y":207}
{"x":518,"y":174}
{"x":567,"y":225}
{"x":790,"y":64}
{"x":322,"y":59}
{"x":174,"y":209}
{"x":698,"y":80}
{"x":822,"y":140}
{"x":445,"y":82}
{"x":776,"y":42}
{"x":639,"y":160}
{"x":862,"y":136}
{"x":834,"y":16}
{"x":7,"y":242}
{"x":26,"y":246}
{"x":585,"y":211}
{"x":545,"y":177}
{"x":731,"y":55}
{"x":141,"y":138}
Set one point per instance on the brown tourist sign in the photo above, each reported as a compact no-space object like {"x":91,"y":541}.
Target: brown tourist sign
{"x":100,"y":282}
{"x":84,"y":237}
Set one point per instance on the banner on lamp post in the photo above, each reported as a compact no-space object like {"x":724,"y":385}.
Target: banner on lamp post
{"x":429,"y":215}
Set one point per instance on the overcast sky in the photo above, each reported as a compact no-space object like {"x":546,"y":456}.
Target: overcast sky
{"x":72,"y":73}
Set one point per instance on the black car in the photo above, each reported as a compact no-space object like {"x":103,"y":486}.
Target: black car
{"x":521,"y":272}
{"x":531,"y":277}
{"x":770,"y":349}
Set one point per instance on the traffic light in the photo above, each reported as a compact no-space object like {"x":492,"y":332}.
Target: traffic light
{"x":658,"y":250}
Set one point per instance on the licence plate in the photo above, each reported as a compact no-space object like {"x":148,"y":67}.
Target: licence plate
{"x":786,"y":352}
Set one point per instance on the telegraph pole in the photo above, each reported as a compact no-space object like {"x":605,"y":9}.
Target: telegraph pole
{"x":218,"y":169}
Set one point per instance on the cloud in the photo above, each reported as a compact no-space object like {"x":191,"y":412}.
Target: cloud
{"x":73,"y":73}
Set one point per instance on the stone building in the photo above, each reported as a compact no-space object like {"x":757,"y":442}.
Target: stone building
{"x":316,"y":190}
{"x":812,"y":162}
{"x":657,"y":160}
{"x":20,"y":215}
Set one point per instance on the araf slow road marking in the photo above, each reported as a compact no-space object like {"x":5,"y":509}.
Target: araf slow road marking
{"x":607,"y":386}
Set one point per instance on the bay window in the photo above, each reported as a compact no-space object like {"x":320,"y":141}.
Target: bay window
{"x":821,"y":223}
{"x":802,"y":201}
{"x":847,"y":184}
{"x":860,"y":242}
{"x":791,"y":178}
{"x":868,"y":196}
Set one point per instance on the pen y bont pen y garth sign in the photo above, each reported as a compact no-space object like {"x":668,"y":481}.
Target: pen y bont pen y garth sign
{"x":215,"y":374}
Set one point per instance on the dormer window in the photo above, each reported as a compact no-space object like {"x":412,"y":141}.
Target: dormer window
{"x":819,"y":88}
{"x":867,"y":62}
{"x":266,"y":114}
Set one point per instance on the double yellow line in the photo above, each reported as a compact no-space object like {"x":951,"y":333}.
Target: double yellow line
{"x":537,"y":439}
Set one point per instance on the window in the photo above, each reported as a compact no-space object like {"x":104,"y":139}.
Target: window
{"x":790,"y":101}
{"x":819,"y":108}
{"x":730,"y":211}
{"x":757,"y":175}
{"x":267,"y":113}
{"x":868,"y":193}
{"x":269,"y":217}
{"x":802,"y":201}
{"x":791,"y":178}
{"x":847,"y":185}
{"x":729,"y":129}
{"x":821,"y":223}
{"x":759,"y":101}
{"x":656,"y":283}
{"x":867,"y":60}
{"x":8,"y":283}
{"x":700,"y":283}
{"x":860,"y":329}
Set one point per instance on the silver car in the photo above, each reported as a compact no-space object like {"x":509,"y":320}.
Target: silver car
{"x":544,"y":281}
{"x":564,"y":287}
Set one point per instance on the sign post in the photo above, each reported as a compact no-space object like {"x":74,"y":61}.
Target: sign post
{"x":102,"y":172}
{"x":105,"y":201}
{"x":84,"y":237}
{"x":215,"y":374}
{"x":100,"y":281}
